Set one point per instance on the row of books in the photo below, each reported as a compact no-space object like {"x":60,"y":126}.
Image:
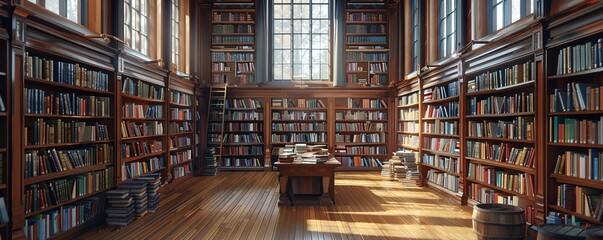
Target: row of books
{"x":585,"y":165}
{"x":38,"y":101}
{"x":378,"y":67}
{"x":521,"y":182}
{"x":133,"y":110}
{"x":364,"y":16}
{"x":412,"y":98}
{"x":367,"y":39}
{"x":231,"y":17}
{"x":241,"y":162}
{"x":367,"y":56}
{"x":181,"y":114}
{"x":132,"y":129}
{"x":483,"y":194}
{"x":366,"y":103}
{"x":181,"y":171}
{"x":313,"y":126}
{"x":298,"y":115}
{"x":356,"y":78}
{"x":361,"y":150}
{"x":576,"y":97}
{"x":299,"y":137}
{"x":142,"y":89}
{"x":246,"y":78}
{"x":444,"y":179}
{"x":366,"y":28}
{"x":185,"y":127}
{"x":40,"y":162}
{"x":231,"y":56}
{"x":233,"y":39}
{"x":247,"y":103}
{"x":583,"y":200}
{"x":447,"y":163}
{"x":242,"y":150}
{"x":181,"y":156}
{"x":360,"y":127}
{"x":442,"y":111}
{"x":449,"y":145}
{"x":580,"y":57}
{"x":231,"y":28}
{"x":135,"y":149}
{"x":50,"y":193}
{"x":245,"y":67}
{"x":45,"y":225}
{"x":66,"y":73}
{"x":440,"y":127}
{"x":181,"y":98}
{"x":243,"y":115}
{"x":234,"y":126}
{"x":52,"y":131}
{"x":243,"y":138}
{"x":361,"y":115}
{"x":358,"y":161}
{"x":135,"y":169}
{"x":178,"y":142}
{"x":361,"y":138}
{"x":502,"y":152}
{"x":409,"y":140}
{"x":519,"y":128}
{"x":220,"y":67}
{"x":354,"y":67}
{"x":410,"y":114}
{"x":299,"y":103}
{"x":517,"y":74}
{"x":517,"y":103}
{"x":218,"y":78}
{"x":440,"y":92}
{"x":571,"y":130}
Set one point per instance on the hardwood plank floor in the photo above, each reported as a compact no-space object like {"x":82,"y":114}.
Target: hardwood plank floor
{"x":243,"y":205}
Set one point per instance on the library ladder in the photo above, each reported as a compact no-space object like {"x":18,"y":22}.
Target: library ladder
{"x":215,"y":115}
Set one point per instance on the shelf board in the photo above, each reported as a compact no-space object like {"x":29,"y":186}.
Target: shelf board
{"x":292,"y":143}
{"x":241,"y":168}
{"x":362,"y":109}
{"x":367,"y":169}
{"x":365,"y":43}
{"x":494,"y":163}
{"x":177,"y":180}
{"x":232,"y":50}
{"x":441,"y":100}
{"x":142,"y":137}
{"x":133,"y":159}
{"x":500,"y":115}
{"x":60,"y":145}
{"x":441,"y":169}
{"x":445,"y":154}
{"x":577,"y":74}
{"x":360,"y":143}
{"x":579,"y":215}
{"x":305,"y":121}
{"x":440,"y":118}
{"x":518,"y":86}
{"x":258,"y":131}
{"x":577,"y":181}
{"x":244,"y":109}
{"x":137,"y":98}
{"x":408,"y":120}
{"x":500,"y":189}
{"x":181,"y":105}
{"x":3,"y":186}
{"x":359,"y":120}
{"x":3,"y":114}
{"x":359,"y":131}
{"x":181,"y":120}
{"x":416,"y":148}
{"x":232,"y":43}
{"x":181,"y":134}
{"x":580,"y":145}
{"x":576,"y":113}
{"x":500,"y":139}
{"x":440,"y":135}
{"x":215,"y":72}
{"x":172,"y":165}
{"x":65,"y":116}
{"x":27,"y":215}
{"x":61,"y":174}
{"x":300,"y":131}
{"x":181,"y":148}
{"x":409,"y":105}
{"x":3,"y":150}
{"x":141,"y":119}
{"x":443,"y":189}
{"x":299,"y":109}
{"x":69,"y":86}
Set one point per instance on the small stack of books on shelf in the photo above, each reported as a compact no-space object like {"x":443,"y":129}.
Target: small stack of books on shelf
{"x":120,"y":210}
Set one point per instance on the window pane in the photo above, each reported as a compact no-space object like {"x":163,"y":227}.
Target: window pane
{"x":515,"y":12}
{"x":73,"y":7}
{"x":499,"y":16}
{"x":53,"y":6}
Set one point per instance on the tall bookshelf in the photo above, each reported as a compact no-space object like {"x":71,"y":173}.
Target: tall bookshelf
{"x":199,"y":130}
{"x":144,"y":131}
{"x":69,"y":137}
{"x":233,"y":42}
{"x":243,"y":140}
{"x":366,"y":44}
{"x":409,"y":116}
{"x":361,"y":133}
{"x":298,"y":120}
{"x":181,"y":128}
{"x":440,"y":146}
{"x":574,"y":146}
{"x":4,"y":135}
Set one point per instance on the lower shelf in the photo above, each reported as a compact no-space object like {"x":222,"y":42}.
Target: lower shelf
{"x":444,"y":190}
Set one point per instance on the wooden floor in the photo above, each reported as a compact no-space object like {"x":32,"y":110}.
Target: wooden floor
{"x":243,"y":205}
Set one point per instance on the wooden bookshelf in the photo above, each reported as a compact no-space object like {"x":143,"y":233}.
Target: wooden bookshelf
{"x":298,"y":120}
{"x":5,"y":125}
{"x":233,"y":42}
{"x":361,"y":132}
{"x":573,"y":112}
{"x":181,"y":128}
{"x":409,"y":116}
{"x":366,"y":44}
{"x":243,"y":141}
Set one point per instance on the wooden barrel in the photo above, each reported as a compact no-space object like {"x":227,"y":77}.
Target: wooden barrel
{"x":498,"y":221}
{"x":561,"y":232}
{"x":594,"y":233}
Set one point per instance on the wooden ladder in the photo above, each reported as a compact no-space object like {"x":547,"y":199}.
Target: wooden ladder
{"x":217,"y":105}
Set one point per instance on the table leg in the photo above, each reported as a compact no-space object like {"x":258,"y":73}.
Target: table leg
{"x":326,"y":199}
{"x":284,"y":198}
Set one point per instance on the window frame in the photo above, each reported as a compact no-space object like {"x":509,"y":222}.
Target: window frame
{"x":492,"y":16}
{"x":129,"y":36}
{"x":415,"y":26}
{"x":448,"y":30}
{"x":82,"y":10}
{"x":310,"y":49}
{"x":175,"y":23}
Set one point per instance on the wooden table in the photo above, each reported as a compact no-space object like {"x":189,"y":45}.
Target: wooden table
{"x":326,"y":171}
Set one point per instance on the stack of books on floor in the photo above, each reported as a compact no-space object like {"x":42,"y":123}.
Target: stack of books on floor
{"x":153,"y":183}
{"x":211,"y":166}
{"x":395,"y":164}
{"x":408,"y":169}
{"x":138,"y":190}
{"x":120,"y":210}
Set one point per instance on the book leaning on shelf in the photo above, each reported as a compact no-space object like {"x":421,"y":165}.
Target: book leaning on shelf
{"x":2,"y":106}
